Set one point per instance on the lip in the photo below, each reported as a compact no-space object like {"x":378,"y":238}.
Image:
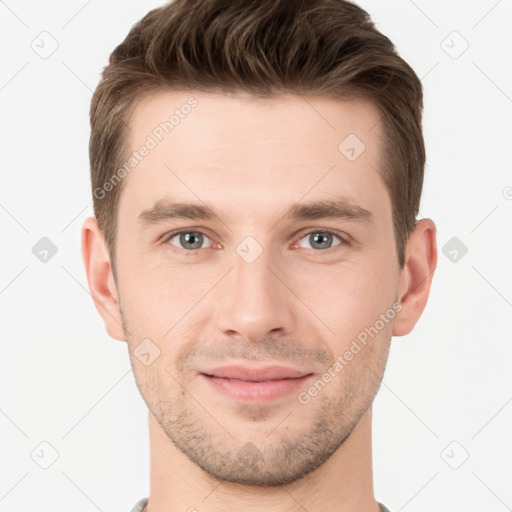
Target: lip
{"x":242,"y":383}
{"x":254,"y":374}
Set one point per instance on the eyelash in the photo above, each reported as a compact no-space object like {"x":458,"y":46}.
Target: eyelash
{"x":344,"y":239}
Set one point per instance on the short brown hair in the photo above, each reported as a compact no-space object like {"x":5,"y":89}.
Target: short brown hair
{"x":262,"y":47}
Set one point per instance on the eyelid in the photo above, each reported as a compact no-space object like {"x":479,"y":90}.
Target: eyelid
{"x":345,"y":239}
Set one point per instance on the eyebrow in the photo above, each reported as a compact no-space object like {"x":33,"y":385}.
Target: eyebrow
{"x":343,"y":209}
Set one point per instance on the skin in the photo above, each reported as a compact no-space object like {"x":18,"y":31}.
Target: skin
{"x":295,"y":305}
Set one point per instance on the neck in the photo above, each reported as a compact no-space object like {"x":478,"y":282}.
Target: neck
{"x":344,"y":483}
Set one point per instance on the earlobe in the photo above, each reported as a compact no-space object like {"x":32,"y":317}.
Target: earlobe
{"x":100,"y":278}
{"x":416,"y":276}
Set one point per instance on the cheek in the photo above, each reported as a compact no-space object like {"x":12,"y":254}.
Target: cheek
{"x":349,"y":298}
{"x":159,"y":295}
{"x":170,"y":307}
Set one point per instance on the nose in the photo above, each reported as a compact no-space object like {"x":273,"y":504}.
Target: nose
{"x":254,"y":299}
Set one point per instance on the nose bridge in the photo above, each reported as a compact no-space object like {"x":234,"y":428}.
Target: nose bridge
{"x":253,"y":302}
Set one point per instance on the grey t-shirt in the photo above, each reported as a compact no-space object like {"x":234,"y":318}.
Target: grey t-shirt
{"x":139,"y":506}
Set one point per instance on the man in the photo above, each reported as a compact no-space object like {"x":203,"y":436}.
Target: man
{"x":257,"y":170}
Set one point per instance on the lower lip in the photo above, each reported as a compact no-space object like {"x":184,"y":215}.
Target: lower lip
{"x":255,"y":391}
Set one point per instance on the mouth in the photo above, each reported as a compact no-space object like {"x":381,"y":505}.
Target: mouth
{"x":255,"y":384}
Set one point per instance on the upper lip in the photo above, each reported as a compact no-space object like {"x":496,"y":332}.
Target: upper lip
{"x":248,"y":373}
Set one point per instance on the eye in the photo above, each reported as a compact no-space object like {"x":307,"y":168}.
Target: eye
{"x":321,"y":240}
{"x":187,"y":239}
{"x":318,"y":240}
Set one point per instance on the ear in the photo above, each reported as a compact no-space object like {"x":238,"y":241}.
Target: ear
{"x":416,"y":276}
{"x":100,"y":278}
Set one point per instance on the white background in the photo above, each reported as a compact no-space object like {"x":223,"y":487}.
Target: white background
{"x":65,"y":382}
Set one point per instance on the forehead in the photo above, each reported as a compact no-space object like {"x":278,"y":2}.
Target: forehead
{"x":217,"y":120}
{"x":251,"y":150}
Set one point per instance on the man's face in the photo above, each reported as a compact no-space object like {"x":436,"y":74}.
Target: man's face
{"x":255,"y":287}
